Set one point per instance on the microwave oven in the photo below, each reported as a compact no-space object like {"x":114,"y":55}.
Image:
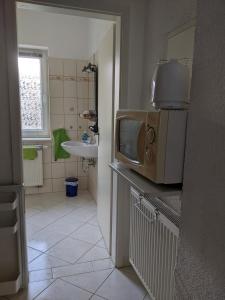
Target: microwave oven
{"x":152,"y":143}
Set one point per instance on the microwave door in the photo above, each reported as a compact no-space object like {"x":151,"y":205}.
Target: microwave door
{"x":130,"y":139}
{"x":141,"y":144}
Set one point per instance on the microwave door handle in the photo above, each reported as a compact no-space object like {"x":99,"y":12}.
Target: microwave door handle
{"x":141,"y":143}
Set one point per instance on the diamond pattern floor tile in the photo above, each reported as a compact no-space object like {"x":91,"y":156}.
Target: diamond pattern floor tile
{"x":70,"y":250}
{"x":67,"y":255}
{"x":61,"y":290}
{"x":89,"y":281}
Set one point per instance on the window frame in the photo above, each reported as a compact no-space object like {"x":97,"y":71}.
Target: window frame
{"x":30,"y":51}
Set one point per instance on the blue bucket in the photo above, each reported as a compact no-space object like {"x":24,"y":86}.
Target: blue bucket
{"x":71,"y":184}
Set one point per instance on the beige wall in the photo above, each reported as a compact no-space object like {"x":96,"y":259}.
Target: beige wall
{"x":163,"y":17}
{"x":71,"y":92}
{"x":201,"y":258}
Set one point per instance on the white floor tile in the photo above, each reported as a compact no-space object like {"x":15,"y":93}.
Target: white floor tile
{"x":95,"y":297}
{"x":45,"y":261}
{"x":44,"y":201}
{"x":65,"y":226}
{"x":94,"y":254}
{"x":75,"y":264}
{"x":40,"y":275}
{"x":32,"y":229}
{"x":93,"y":221}
{"x":61,"y":290}
{"x":44,"y":218}
{"x":31,"y":212}
{"x":101,"y":244}
{"x":102,"y":264}
{"x":70,"y":250}
{"x":123,"y":286}
{"x":72,"y":269}
{"x":82,"y":214}
{"x":45,"y":239}
{"x":34,"y":289}
{"x":87,"y":233}
{"x":32,"y":254}
{"x":89,"y":281}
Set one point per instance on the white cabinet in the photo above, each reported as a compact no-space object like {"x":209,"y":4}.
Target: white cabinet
{"x":12,"y":236}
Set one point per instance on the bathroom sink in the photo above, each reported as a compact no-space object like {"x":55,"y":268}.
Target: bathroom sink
{"x":81,"y":149}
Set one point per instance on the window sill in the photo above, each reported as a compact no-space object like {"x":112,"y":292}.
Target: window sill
{"x":38,"y":139}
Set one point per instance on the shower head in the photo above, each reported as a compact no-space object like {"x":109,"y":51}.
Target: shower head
{"x":90,"y":68}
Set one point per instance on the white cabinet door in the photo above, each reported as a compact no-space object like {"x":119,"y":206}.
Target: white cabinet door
{"x":105,"y":63}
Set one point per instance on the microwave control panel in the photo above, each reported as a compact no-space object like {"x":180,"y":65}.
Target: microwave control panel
{"x":151,"y":135}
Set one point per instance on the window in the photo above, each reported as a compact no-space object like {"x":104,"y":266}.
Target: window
{"x":34,"y":93}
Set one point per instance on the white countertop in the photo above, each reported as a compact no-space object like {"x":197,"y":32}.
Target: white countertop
{"x":168,"y":194}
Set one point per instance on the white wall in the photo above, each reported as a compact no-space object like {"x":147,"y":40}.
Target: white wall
{"x":97,"y":31}
{"x":134,"y":16}
{"x":66,"y":36}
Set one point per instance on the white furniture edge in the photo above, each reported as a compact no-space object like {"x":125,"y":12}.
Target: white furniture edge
{"x":9,"y":229}
{"x":10,"y":287}
{"x":7,"y":206}
{"x":144,"y":185}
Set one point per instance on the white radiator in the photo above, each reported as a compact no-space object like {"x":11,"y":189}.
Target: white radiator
{"x":33,"y":170}
{"x":153,"y":247}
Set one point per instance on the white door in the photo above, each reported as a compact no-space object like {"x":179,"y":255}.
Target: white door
{"x":13,"y":270}
{"x":105,"y":61}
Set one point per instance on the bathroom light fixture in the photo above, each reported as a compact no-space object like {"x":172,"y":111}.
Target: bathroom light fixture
{"x":90,"y":68}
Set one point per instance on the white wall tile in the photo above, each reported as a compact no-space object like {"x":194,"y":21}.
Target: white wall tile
{"x":57,"y":106}
{"x":69,"y":89}
{"x":82,"y":105}
{"x":70,"y":106}
{"x":69,"y":67}
{"x":72,"y":134}
{"x":58,"y":184}
{"x":91,"y":105}
{"x":82,"y":124}
{"x":56,"y":88}
{"x":57,"y":121}
{"x":82,"y":169}
{"x":58,"y":170}
{"x":55,"y":66}
{"x":30,"y":190}
{"x":71,"y":169}
{"x":80,"y":65}
{"x":47,"y":171}
{"x":82,"y":89}
{"x":47,"y":154}
{"x":79,"y":133}
{"x":64,"y":106}
{"x":82,"y":183}
{"x":47,"y":186}
{"x":71,"y":122}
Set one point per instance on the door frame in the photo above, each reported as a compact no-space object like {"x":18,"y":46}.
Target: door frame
{"x":120,"y":50}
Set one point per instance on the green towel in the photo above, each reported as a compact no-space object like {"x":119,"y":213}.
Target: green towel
{"x":60,"y":136}
{"x":29,"y":152}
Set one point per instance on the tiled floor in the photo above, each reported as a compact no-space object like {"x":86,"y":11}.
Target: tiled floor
{"x":67,"y":256}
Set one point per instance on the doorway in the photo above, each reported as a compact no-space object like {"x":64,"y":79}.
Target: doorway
{"x":56,"y":93}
